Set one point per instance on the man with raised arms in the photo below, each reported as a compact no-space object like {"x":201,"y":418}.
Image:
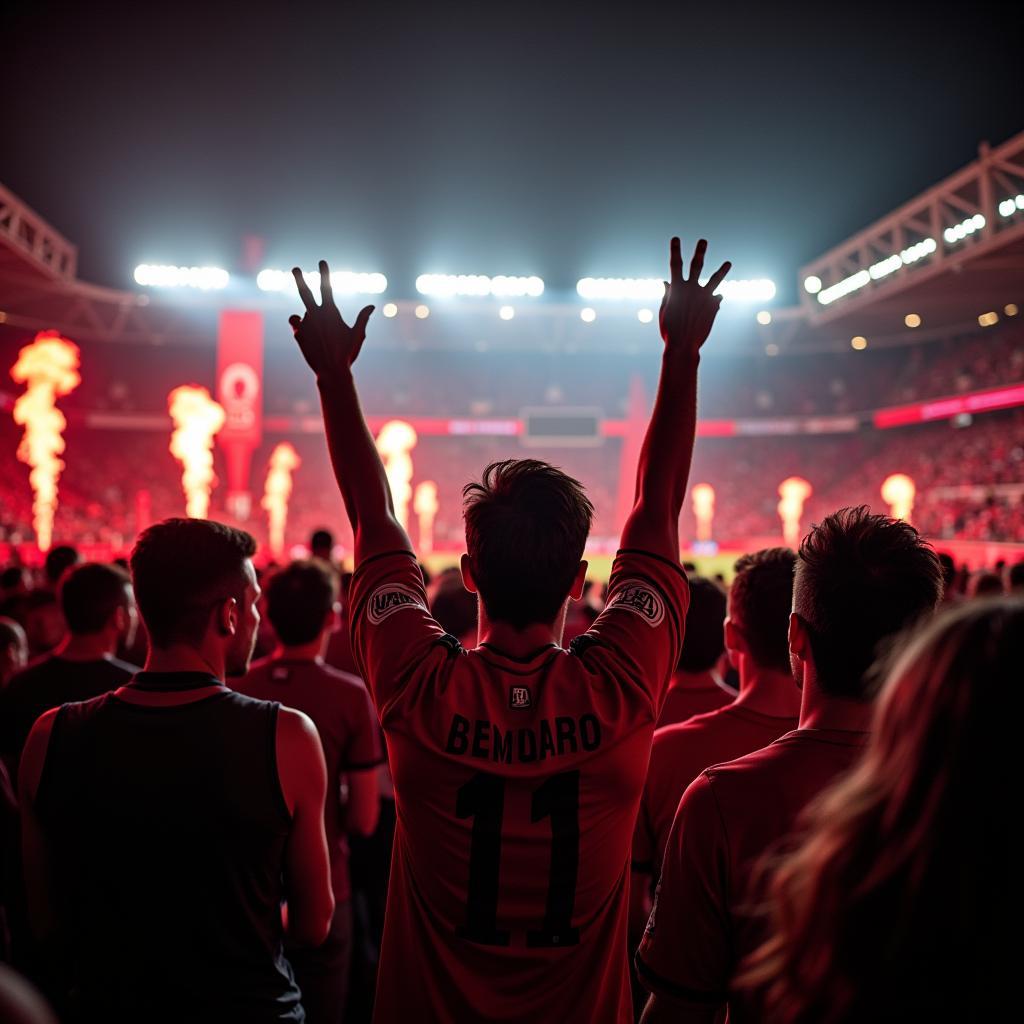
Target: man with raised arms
{"x":518,"y":765}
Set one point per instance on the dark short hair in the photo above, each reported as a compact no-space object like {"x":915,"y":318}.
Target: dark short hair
{"x":526,"y":527}
{"x":948,"y":569}
{"x":762,"y":598}
{"x":90,"y":593}
{"x":181,"y":569}
{"x":58,"y":560}
{"x":321,"y":539}
{"x":704,"y":635}
{"x":300,"y":598}
{"x":861,"y":578}
{"x":1015,"y":576}
{"x":985,"y":583}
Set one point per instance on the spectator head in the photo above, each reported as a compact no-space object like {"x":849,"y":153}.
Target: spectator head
{"x":985,"y":583}
{"x":302,"y":602}
{"x":861,"y":578}
{"x":704,"y":635}
{"x":912,"y":845}
{"x":14,"y":580}
{"x":58,"y":560}
{"x":196,"y":588}
{"x":97,"y":599}
{"x":455,"y":608}
{"x":526,"y":526}
{"x":13,"y":649}
{"x":760,"y":602}
{"x":1015,"y":578}
{"x":321,"y":544}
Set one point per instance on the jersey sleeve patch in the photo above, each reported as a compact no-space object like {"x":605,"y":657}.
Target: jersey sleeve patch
{"x":390,"y":598}
{"x":638,"y":596}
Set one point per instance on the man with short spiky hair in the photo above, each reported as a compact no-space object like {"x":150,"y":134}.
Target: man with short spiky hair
{"x":860,"y":580}
{"x":517,"y":765}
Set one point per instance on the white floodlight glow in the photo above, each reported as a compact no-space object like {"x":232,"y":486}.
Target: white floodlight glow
{"x":1010,"y":205}
{"x":507,"y":312}
{"x":390,"y":310}
{"x":422,"y":312}
{"x":640,"y":289}
{"x":645,"y":316}
{"x":343,"y":282}
{"x":479,"y":285}
{"x":812,"y":284}
{"x":844,"y":287}
{"x":153,"y":275}
{"x":958,"y":232}
{"x":764,"y":318}
{"x":587,"y":315}
{"x":883,"y":268}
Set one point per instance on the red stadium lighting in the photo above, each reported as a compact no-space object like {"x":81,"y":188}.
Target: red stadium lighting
{"x":424,"y":504}
{"x":395,"y":442}
{"x":704,"y":510}
{"x":284,"y":460}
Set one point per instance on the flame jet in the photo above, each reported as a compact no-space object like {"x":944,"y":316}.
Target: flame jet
{"x":49,"y":370}
{"x":277,"y":490}
{"x":197,"y":418}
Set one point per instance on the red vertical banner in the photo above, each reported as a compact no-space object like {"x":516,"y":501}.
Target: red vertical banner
{"x":240,"y":392}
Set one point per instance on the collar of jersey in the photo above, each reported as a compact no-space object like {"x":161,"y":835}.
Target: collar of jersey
{"x":520,"y":660}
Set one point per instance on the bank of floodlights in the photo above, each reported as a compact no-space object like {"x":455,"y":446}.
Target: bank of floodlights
{"x":154,"y":275}
{"x":479,"y":285}
{"x":648,"y":289}
{"x":343,"y":282}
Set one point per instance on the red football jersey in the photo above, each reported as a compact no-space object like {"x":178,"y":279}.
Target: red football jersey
{"x":679,"y":754}
{"x":689,"y":695}
{"x":516,"y":785}
{"x":731,"y":816}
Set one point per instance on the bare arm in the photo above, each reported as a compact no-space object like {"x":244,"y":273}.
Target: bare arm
{"x":687,"y":313}
{"x":307,"y":871}
{"x":35,"y":851}
{"x":363,"y":802}
{"x":330,"y":347}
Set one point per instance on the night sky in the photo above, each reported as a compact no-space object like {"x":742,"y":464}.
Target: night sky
{"x":500,"y":138}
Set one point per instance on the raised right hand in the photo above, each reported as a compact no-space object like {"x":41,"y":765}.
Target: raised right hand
{"x":689,"y":308}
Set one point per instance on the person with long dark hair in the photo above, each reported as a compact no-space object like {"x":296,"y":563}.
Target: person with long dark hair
{"x":895,"y":905}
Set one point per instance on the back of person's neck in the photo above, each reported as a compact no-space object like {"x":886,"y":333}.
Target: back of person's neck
{"x":820,"y":710}
{"x":86,"y":647}
{"x":706,"y":680}
{"x":313,"y":651}
{"x":504,"y":637}
{"x":180,"y":658}
{"x":768,"y":691}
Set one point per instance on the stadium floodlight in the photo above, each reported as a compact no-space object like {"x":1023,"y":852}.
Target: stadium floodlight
{"x":958,"y":232}
{"x":390,"y":310}
{"x":989,"y":319}
{"x":645,"y":316}
{"x":343,"y":282}
{"x":479,"y":285}
{"x":507,"y":312}
{"x":640,"y":289}
{"x":764,"y":318}
{"x":1010,"y":205}
{"x":859,"y":343}
{"x":153,"y":275}
{"x":912,"y":320}
{"x":812,"y":284}
{"x":1011,"y":309}
{"x":422,"y":312}
{"x":883,"y":268}
{"x":588,"y":315}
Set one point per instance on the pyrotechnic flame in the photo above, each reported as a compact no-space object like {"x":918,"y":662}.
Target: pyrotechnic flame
{"x":704,"y":509}
{"x":424,"y":504}
{"x":793,"y":491}
{"x":49,"y":369}
{"x":898,"y":493}
{"x":394,"y":442}
{"x":197,"y":418}
{"x":276,"y":492}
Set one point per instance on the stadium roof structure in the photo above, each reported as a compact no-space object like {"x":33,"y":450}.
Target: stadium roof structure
{"x":951,"y":255}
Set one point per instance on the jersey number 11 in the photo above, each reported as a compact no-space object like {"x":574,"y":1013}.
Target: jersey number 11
{"x":483,"y":800}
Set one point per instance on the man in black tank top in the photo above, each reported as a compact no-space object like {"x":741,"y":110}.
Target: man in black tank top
{"x":167,"y":823}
